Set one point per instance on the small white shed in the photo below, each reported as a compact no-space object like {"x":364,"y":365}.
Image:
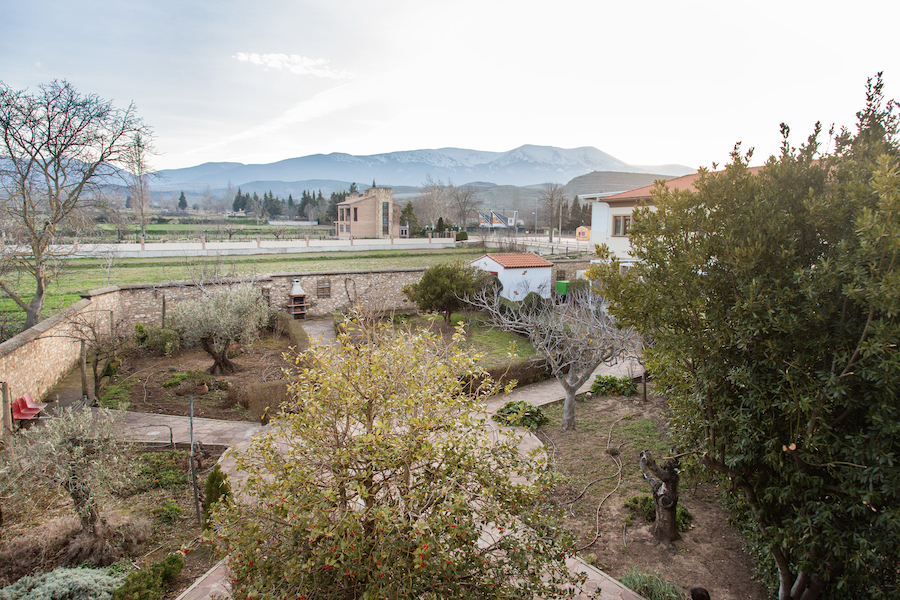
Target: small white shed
{"x":519,"y":273}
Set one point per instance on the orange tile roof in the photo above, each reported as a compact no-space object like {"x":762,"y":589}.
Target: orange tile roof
{"x":519,"y":260}
{"x":685,"y":182}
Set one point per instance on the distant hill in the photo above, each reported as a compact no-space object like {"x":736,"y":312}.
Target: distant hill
{"x":523,"y":166}
{"x":604,"y":181}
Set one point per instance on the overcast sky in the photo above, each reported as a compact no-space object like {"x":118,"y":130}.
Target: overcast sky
{"x":649,"y":82}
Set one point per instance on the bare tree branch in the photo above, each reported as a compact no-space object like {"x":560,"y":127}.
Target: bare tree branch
{"x":575,"y":337}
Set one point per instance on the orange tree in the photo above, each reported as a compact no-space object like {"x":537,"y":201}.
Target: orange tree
{"x":773,"y":302}
{"x":382,"y":480}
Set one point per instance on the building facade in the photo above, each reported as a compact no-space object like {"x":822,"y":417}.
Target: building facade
{"x":371,"y":214}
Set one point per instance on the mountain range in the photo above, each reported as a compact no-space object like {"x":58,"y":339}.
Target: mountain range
{"x":523,"y":166}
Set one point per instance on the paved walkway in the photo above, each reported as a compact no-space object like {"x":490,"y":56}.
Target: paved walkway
{"x":214,"y":583}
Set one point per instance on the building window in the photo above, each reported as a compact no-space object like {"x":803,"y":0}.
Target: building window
{"x":342,"y":228}
{"x":385,"y":218}
{"x":561,"y":275}
{"x":355,"y":214}
{"x":323,"y":288}
{"x":621,"y":225}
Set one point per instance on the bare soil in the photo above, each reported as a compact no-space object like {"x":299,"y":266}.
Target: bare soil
{"x":226,"y":398}
{"x":609,"y":535}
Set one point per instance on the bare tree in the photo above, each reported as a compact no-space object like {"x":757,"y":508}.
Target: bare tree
{"x":465,"y":201}
{"x":432,"y":202}
{"x":575,"y":337}
{"x":102,"y":338}
{"x":137,"y":161}
{"x":60,"y":149}
{"x":553,"y":195}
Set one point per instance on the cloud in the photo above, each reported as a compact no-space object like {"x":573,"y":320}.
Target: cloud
{"x":299,"y":65}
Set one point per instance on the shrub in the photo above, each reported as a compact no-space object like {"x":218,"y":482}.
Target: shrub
{"x":164,"y":470}
{"x":462,"y":236}
{"x":65,"y":584}
{"x":608,"y":385}
{"x":161,"y":341}
{"x":521,"y":414}
{"x":116,"y":396}
{"x":168,"y":512}
{"x":650,"y":586}
{"x":643,"y":506}
{"x":148,"y":584}
{"x":265,"y":399}
{"x":215,"y":489}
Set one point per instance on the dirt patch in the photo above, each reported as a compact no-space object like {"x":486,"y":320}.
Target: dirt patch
{"x":609,"y":428}
{"x":154,"y":387}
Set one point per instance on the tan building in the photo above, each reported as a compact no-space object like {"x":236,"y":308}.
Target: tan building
{"x":371,"y":214}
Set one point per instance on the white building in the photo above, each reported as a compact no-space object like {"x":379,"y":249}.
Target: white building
{"x":519,"y":273}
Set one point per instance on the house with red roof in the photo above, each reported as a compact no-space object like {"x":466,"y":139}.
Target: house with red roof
{"x":519,"y":273}
{"x":612,"y":213}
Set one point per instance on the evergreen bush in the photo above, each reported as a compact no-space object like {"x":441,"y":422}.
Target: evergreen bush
{"x":215,"y":489}
{"x":609,"y":385}
{"x":65,"y":584}
{"x":521,"y":414}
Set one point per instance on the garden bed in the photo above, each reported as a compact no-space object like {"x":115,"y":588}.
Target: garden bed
{"x":611,"y":428}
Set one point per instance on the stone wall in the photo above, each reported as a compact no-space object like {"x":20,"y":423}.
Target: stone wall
{"x":36,"y":360}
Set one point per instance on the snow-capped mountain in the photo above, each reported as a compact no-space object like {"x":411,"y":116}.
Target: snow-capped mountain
{"x":526,"y":165}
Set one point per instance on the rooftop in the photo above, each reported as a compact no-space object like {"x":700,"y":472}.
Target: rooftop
{"x":520,"y":260}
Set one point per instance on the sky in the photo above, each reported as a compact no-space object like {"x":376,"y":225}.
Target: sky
{"x":653,"y":82}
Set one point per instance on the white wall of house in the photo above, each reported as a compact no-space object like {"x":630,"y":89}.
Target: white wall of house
{"x":517,"y":283}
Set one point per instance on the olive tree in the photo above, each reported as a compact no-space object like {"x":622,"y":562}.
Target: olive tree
{"x":221,"y":315}
{"x":773,"y":300}
{"x":82,"y":453}
{"x":383,"y":480}
{"x":58,"y":151}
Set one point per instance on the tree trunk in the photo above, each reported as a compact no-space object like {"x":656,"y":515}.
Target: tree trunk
{"x":664,"y":489}
{"x":84,"y":503}
{"x":82,"y":363}
{"x":221,"y":363}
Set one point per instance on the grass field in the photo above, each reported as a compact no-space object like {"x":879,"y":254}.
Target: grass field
{"x":90,"y":273}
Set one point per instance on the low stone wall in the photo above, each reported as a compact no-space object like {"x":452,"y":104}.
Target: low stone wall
{"x":36,"y":360}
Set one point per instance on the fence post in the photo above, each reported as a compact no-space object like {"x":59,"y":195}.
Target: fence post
{"x":203,"y":241}
{"x":307,"y":241}
{"x":257,"y":242}
{"x":6,"y":433}
{"x":143,"y":247}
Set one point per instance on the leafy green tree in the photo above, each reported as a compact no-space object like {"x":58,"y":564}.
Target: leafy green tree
{"x":444,"y":288}
{"x":221,"y":316}
{"x":381,"y":480}
{"x":182,"y":202}
{"x":773,"y":300}
{"x":408,"y":216}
